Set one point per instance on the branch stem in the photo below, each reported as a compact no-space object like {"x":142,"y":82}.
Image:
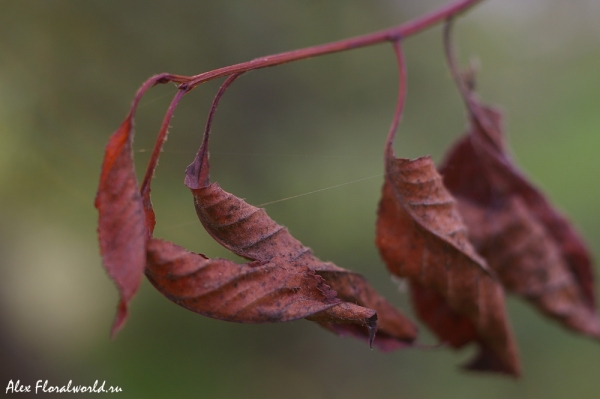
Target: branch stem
{"x":388,"y":35}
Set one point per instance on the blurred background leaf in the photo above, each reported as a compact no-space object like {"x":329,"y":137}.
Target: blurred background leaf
{"x":68,"y":72}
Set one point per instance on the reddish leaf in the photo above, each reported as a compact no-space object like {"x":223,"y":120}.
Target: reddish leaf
{"x":121,"y":227}
{"x":535,"y":251}
{"x":249,"y":232}
{"x":421,"y":237}
{"x":254,"y":292}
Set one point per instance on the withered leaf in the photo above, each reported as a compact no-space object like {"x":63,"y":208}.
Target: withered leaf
{"x":249,"y":232}
{"x":534,"y":250}
{"x":422,"y":238}
{"x":255,"y":292}
{"x":121,"y":227}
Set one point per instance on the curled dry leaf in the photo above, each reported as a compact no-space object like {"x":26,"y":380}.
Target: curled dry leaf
{"x":121,"y":227}
{"x":255,"y":292}
{"x":534,"y":250}
{"x":422,"y":238}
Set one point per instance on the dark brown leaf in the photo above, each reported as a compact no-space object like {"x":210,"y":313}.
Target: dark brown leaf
{"x":256,"y":292}
{"x":535,"y":251}
{"x":422,"y":238}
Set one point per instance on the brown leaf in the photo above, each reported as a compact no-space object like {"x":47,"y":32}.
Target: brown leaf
{"x":256,"y":292}
{"x":535,"y":251}
{"x":354,"y":288}
{"x":249,"y":232}
{"x":422,"y":238}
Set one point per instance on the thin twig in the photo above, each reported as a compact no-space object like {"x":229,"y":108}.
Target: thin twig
{"x":476,"y":112}
{"x":401,"y":97}
{"x":201,"y":160}
{"x":389,"y":35}
{"x":162,"y":136}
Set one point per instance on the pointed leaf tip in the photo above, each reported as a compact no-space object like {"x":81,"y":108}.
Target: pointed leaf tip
{"x":120,"y":319}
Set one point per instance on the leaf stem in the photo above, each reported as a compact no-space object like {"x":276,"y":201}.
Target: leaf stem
{"x":197,"y":173}
{"x":475,"y":110}
{"x":160,"y":139}
{"x":401,"y":97}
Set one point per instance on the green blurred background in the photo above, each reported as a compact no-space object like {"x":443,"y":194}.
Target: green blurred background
{"x":68,"y":73}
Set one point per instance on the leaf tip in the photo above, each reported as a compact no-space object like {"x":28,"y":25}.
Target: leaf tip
{"x":372,"y":329}
{"x":197,"y":173}
{"x":487,"y":361}
{"x":120,"y":318}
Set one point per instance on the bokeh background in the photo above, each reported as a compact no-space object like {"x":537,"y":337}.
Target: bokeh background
{"x":68,"y":73}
